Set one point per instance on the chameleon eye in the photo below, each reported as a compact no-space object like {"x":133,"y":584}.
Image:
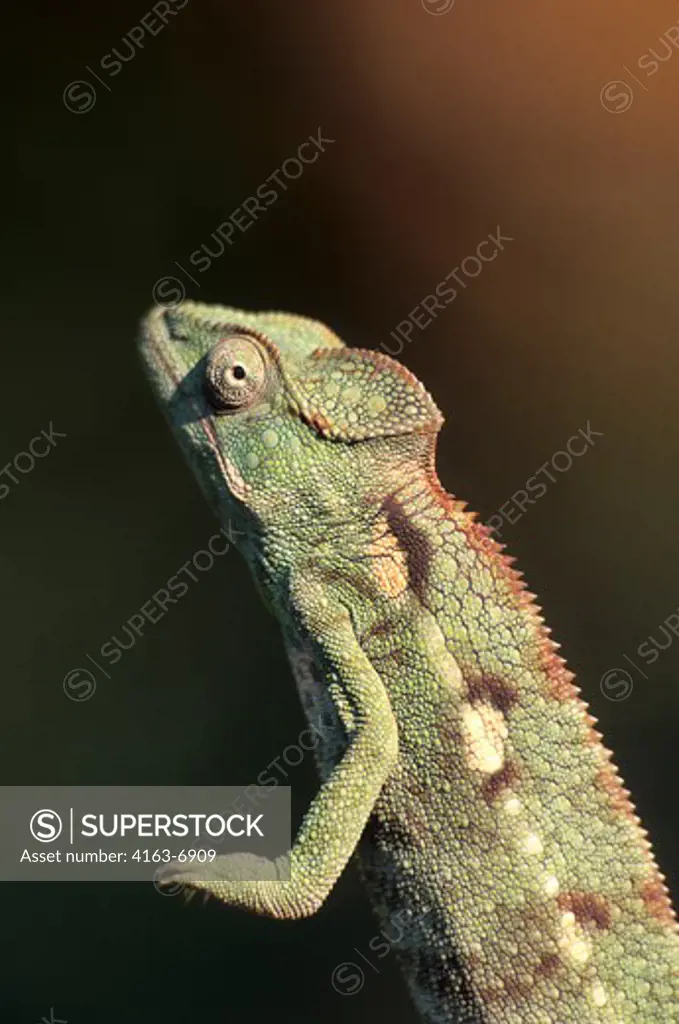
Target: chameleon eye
{"x":235,"y":374}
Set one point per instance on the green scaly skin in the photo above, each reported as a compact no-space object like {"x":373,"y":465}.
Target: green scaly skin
{"x":457,"y":759}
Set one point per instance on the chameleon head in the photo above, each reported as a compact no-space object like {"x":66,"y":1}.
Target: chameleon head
{"x":270,"y":409}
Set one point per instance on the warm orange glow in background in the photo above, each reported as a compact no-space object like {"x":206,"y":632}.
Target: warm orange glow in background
{"x":548,"y":120}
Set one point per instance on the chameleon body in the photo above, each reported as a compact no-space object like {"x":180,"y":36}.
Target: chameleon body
{"x":456,"y":758}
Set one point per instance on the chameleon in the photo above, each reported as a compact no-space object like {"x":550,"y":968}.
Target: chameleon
{"x":458,"y":764}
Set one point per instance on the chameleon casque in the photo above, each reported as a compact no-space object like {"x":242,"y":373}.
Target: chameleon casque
{"x":456,"y":757}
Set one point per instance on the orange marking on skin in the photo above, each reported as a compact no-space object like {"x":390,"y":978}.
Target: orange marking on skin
{"x":390,"y":562}
{"x":319,"y":422}
{"x":653,"y":893}
{"x":608,"y":779}
{"x":560,"y":685}
{"x":657,"y":901}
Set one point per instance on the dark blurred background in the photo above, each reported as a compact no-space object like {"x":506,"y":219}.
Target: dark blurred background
{"x":546,"y":120}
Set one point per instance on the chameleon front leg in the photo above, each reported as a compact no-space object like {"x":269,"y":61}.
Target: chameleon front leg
{"x":333,"y":824}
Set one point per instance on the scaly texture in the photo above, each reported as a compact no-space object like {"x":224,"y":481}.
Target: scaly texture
{"x":457,"y":758}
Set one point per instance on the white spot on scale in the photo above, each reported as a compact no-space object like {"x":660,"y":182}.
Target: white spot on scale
{"x":484,"y":730}
{"x":599,"y":997}
{"x":533,"y":844}
{"x":580,"y":951}
{"x":512,"y":806}
{"x":551,"y":885}
{"x":573,"y":942}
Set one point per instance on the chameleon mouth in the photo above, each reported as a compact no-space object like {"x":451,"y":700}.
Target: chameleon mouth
{"x":158,"y":350}
{"x":176,"y":382}
{"x":177,"y":376}
{"x":175,"y":364}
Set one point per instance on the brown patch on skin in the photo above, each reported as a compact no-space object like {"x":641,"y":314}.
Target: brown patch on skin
{"x":413,"y":542}
{"x":549,"y":964}
{"x":657,"y":902}
{"x":487,"y":689}
{"x":380,"y":628}
{"x":496,"y":784}
{"x":590,"y":909}
{"x":518,"y":990}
